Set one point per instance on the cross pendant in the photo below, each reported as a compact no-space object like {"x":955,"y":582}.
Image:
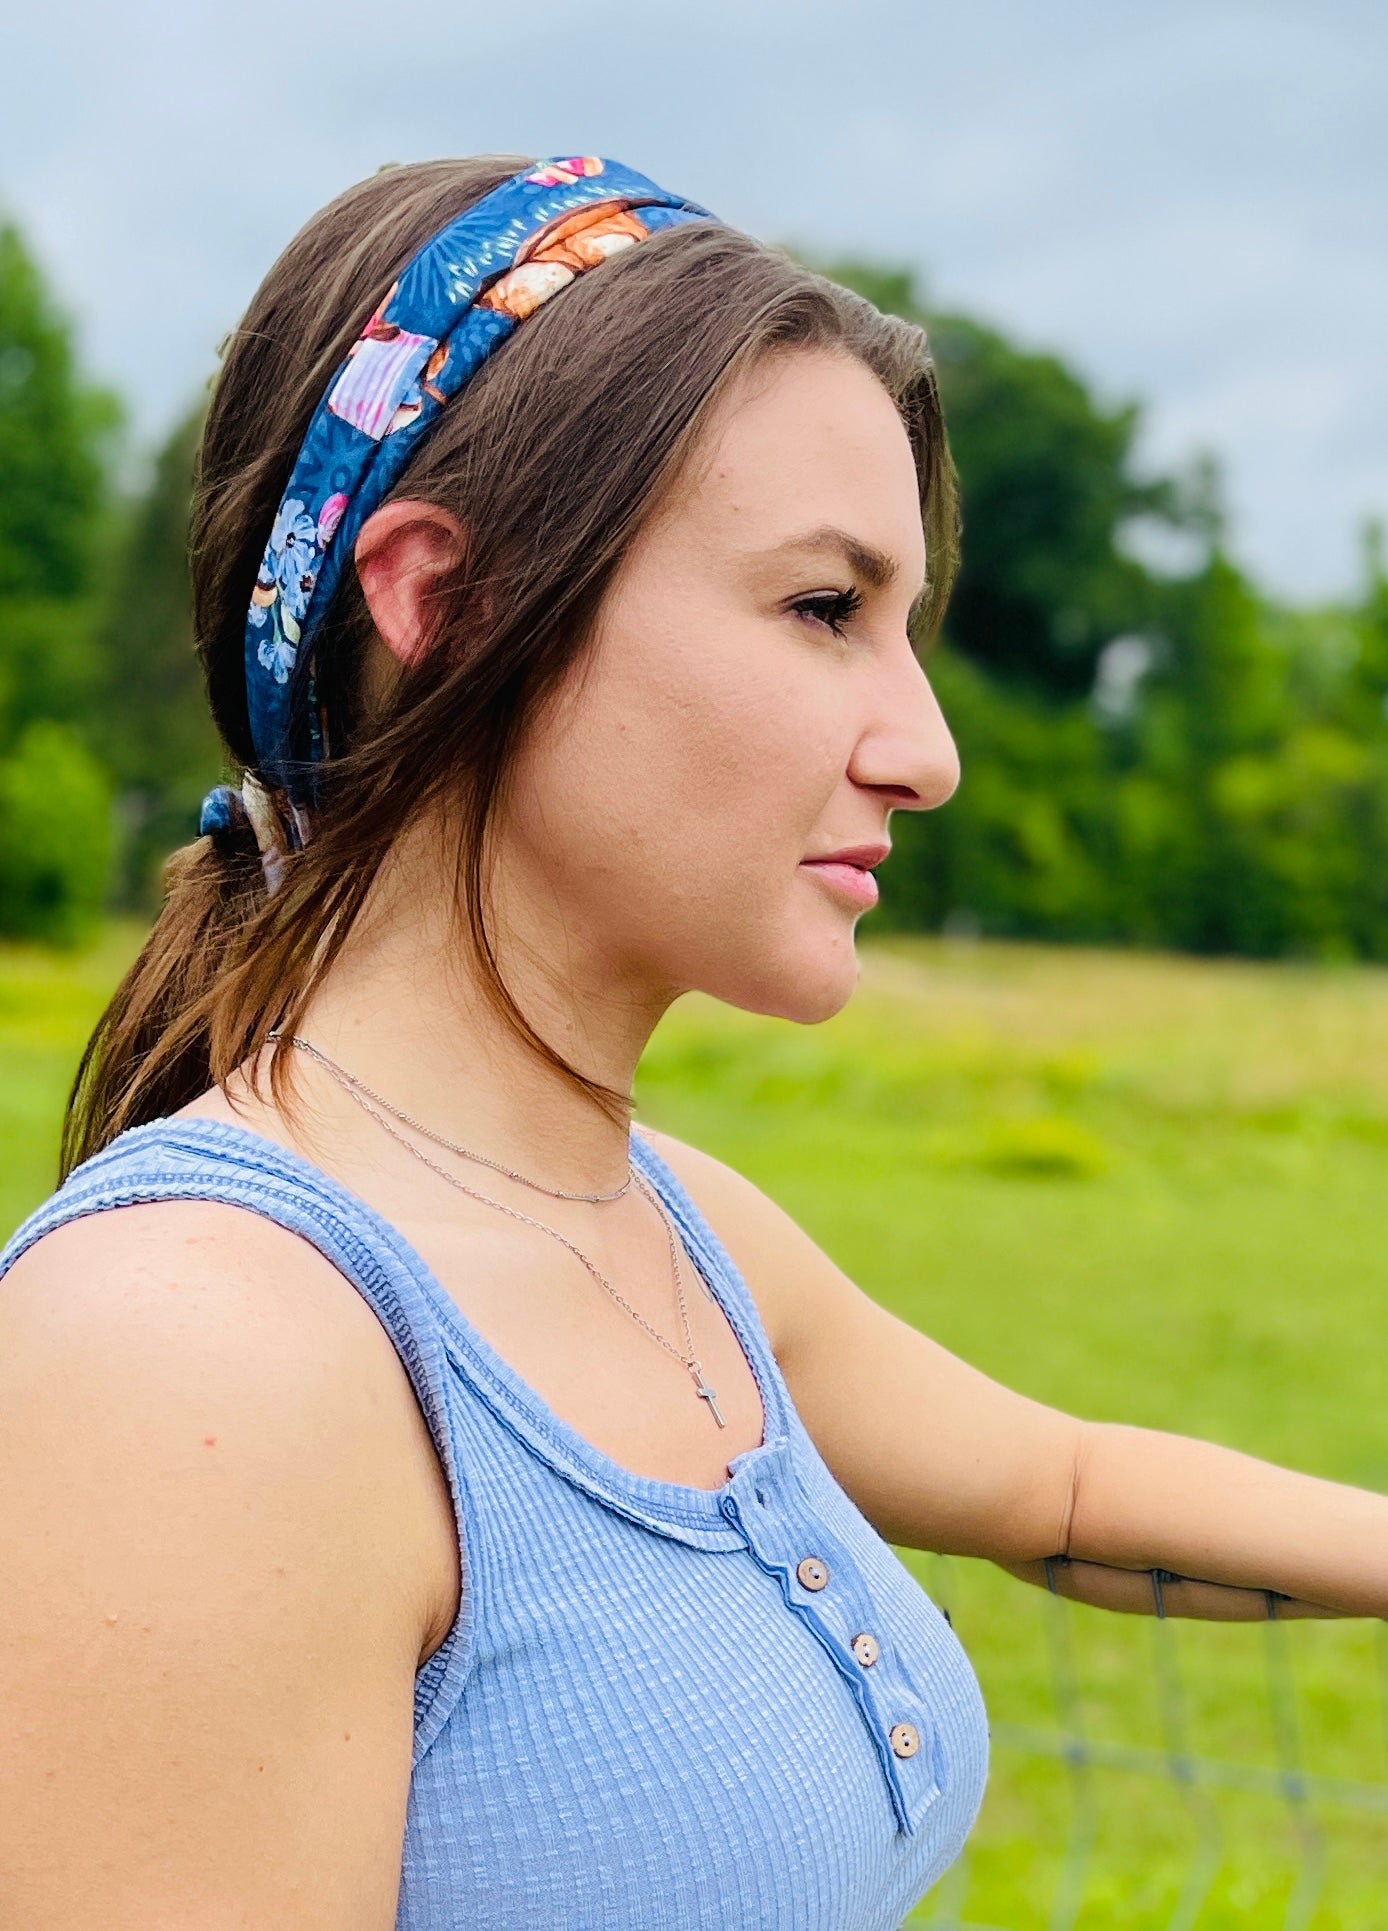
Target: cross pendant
{"x":710,"y":1395}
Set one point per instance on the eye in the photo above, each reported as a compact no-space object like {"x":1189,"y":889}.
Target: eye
{"x":830,"y":607}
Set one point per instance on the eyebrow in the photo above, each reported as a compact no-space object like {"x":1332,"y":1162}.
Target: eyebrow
{"x":875,"y":566}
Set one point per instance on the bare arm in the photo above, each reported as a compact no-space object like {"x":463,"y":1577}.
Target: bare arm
{"x":1149,"y":1592}
{"x":209,"y":1624}
{"x":940,"y":1456}
{"x":1145,"y":1499}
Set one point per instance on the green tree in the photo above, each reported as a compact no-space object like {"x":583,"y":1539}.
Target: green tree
{"x":56,"y":506}
{"x":161,"y":744}
{"x":1044,"y":586}
{"x":1367,"y":649}
{"x":1025,"y":847}
{"x":1048,"y":490}
{"x":1258,"y":730}
{"x":55,"y":431}
{"x":55,"y":837}
{"x":57,"y":514}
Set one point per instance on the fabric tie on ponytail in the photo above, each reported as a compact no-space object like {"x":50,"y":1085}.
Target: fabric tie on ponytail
{"x":457,"y":299}
{"x":225,"y":811}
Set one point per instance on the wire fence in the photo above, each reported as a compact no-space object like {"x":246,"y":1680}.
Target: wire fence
{"x":1306,"y":1802}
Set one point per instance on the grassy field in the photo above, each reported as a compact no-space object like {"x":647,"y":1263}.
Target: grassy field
{"x":1153,"y":1190}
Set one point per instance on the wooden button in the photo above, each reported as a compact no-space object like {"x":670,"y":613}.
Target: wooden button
{"x":864,"y":1647}
{"x":811,"y":1572}
{"x":905,"y":1739}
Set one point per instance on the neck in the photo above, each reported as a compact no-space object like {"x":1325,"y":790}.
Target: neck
{"x":404,"y":1007}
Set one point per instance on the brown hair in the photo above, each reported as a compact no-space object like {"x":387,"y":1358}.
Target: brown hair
{"x":551,"y":457}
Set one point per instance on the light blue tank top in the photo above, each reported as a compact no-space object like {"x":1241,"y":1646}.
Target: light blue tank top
{"x":650,"y":1714}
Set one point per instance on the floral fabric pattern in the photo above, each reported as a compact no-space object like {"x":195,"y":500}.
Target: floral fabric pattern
{"x":380,"y":374}
{"x":285,"y":583}
{"x":292,"y":554}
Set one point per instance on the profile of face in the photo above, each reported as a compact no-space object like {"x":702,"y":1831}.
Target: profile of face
{"x":751,"y":700}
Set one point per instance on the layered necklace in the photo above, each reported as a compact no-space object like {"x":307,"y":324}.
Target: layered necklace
{"x":383,"y":1112}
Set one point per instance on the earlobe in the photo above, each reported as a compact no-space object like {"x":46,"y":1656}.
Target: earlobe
{"x":401,"y":552}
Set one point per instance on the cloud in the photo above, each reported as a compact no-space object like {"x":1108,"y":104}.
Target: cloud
{"x":1189,"y":205}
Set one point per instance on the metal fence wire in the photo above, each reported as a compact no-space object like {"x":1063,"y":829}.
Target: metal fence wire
{"x":1305,"y":1800}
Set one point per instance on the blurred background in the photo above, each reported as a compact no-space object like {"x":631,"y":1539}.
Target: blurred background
{"x":1109,"y":1114}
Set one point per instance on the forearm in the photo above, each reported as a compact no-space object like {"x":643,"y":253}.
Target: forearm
{"x":1144,"y":1500}
{"x":1141,"y":1592}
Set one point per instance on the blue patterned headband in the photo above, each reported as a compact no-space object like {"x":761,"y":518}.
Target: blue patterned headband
{"x":453,"y":303}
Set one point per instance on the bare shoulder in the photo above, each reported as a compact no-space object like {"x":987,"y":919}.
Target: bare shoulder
{"x":231,"y":1352}
{"x":198,"y":1501}
{"x":190,"y":1290}
{"x":231,"y":1335}
{"x":767,"y":1246}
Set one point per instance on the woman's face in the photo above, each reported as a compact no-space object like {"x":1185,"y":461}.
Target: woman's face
{"x":750,"y":704}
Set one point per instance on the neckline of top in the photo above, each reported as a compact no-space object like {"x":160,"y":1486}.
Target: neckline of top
{"x":650,"y":1498}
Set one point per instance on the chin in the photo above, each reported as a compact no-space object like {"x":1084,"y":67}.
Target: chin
{"x":808,"y":1010}
{"x":807,"y":982}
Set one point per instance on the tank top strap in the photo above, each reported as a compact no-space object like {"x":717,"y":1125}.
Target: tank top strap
{"x":196,"y":1159}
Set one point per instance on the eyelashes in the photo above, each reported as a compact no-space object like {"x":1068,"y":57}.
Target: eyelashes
{"x":832,"y":608}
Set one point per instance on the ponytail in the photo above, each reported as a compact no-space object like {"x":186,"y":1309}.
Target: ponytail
{"x":149,"y":1054}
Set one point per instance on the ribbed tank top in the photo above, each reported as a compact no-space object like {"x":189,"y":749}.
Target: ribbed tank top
{"x":643,"y":1717}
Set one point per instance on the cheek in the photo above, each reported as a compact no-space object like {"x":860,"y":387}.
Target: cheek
{"x":676,"y":785}
{"x":716,"y":759}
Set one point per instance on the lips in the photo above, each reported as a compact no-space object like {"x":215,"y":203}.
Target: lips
{"x":864,"y":857}
{"x":848,"y":872}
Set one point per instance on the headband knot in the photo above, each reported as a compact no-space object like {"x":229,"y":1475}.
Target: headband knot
{"x":276,"y":823}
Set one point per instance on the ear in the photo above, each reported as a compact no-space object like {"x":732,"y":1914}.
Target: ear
{"x":401,"y":551}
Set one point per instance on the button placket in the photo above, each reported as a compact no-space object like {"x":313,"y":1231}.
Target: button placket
{"x":822,"y":1584}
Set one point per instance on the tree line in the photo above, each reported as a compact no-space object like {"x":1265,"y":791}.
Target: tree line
{"x":1155,"y":750}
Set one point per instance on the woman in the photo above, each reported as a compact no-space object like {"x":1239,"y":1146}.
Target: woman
{"x":541,"y":1580}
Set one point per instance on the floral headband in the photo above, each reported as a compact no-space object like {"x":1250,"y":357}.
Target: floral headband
{"x":453,"y":303}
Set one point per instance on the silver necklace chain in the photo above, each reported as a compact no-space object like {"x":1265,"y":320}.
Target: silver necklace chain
{"x":350,"y":1083}
{"x":357,"y":1091}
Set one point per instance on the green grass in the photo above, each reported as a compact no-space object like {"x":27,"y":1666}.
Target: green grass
{"x":1145,"y":1189}
{"x":49,"y":1002}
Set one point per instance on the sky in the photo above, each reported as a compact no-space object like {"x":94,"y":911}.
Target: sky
{"x":1187,"y":200}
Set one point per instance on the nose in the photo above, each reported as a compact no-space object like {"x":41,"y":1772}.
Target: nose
{"x":906,"y":749}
